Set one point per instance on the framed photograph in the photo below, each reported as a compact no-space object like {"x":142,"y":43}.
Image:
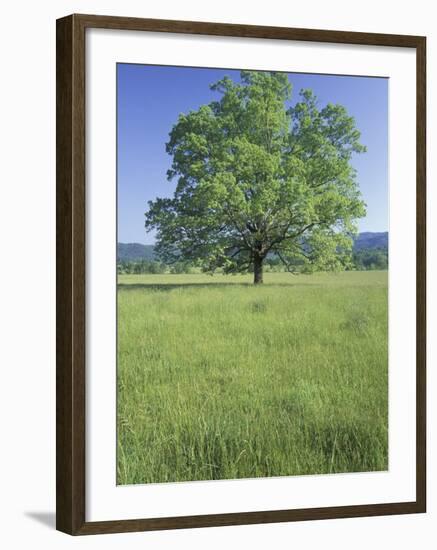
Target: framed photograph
{"x":240,"y":274}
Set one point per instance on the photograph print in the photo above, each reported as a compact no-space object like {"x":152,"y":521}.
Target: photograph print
{"x":252,"y":274}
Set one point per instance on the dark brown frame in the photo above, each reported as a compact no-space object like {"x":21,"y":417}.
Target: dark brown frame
{"x":70,"y":275}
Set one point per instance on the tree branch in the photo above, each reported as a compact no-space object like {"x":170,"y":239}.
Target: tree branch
{"x":287,"y":265}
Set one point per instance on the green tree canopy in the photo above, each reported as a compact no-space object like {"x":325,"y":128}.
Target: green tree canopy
{"x":257,"y":177}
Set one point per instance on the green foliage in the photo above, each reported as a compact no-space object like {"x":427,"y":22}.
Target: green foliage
{"x":366,"y":258}
{"x":255,"y":177}
{"x":223,"y":380}
{"x":142,"y":266}
{"x":181,"y":267}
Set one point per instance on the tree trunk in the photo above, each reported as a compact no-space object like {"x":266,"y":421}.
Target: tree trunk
{"x":257,"y":270}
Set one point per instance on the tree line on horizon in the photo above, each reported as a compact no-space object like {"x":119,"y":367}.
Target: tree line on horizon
{"x":364,"y":259}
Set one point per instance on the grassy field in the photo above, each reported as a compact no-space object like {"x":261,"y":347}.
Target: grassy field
{"x":218,"y":379}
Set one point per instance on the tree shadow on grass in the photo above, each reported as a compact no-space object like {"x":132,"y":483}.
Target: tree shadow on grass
{"x":173,"y":286}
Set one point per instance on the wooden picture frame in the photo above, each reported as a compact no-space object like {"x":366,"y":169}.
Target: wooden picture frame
{"x":71,"y":283}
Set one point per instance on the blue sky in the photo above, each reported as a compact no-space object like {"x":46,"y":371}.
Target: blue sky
{"x":150,"y":99}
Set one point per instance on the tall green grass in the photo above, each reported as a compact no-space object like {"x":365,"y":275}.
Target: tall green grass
{"x":219,"y":379}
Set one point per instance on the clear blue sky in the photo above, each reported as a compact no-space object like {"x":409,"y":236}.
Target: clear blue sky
{"x":150,"y":99}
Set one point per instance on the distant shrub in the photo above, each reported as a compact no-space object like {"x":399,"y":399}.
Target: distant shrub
{"x":258,"y":307}
{"x":371,"y":258}
{"x":181,"y":267}
{"x":357,"y":321}
{"x":141,"y":266}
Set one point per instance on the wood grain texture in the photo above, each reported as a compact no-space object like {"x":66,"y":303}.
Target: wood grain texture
{"x":71,"y":274}
{"x":63,"y":276}
{"x":70,"y":277}
{"x":247,"y":31}
{"x":421,"y":274}
{"x":246,"y":518}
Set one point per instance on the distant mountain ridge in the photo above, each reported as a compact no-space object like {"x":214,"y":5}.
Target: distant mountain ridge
{"x":128,"y":252}
{"x":371,"y":240}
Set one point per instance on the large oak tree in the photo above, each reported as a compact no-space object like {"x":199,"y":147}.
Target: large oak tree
{"x":256,"y":177}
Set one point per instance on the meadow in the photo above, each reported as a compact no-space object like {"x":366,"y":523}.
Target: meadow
{"x":221,"y":379}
